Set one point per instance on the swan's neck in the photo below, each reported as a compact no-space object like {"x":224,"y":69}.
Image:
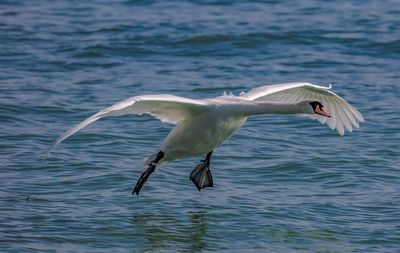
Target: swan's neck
{"x":257,"y":108}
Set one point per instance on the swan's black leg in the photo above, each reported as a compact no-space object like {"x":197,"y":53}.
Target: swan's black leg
{"x":201,"y":175}
{"x":208,"y":158}
{"x":145,"y":175}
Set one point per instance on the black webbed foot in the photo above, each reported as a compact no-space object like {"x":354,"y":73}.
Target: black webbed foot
{"x":142,"y":179}
{"x":201,"y":177}
{"x":145,"y":175}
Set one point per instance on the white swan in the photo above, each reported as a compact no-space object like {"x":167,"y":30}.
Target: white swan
{"x":203,"y":124}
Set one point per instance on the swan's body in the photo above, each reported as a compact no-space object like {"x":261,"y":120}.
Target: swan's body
{"x":204,"y":132}
{"x":203,"y":124}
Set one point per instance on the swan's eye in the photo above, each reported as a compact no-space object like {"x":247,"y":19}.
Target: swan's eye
{"x":315,"y":104}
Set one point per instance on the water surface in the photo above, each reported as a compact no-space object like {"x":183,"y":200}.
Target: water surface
{"x":282,"y":183}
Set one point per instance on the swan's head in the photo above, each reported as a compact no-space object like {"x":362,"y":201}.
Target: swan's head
{"x":314,"y":107}
{"x":317,"y":108}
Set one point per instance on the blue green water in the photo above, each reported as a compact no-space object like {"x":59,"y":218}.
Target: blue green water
{"x":282,"y":183}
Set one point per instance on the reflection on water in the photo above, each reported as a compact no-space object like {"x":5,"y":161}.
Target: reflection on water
{"x":198,"y":230}
{"x":166,"y":231}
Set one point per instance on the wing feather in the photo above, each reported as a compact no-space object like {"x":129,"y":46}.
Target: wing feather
{"x":167,"y":108}
{"x":343,"y":115}
{"x":332,"y":110}
{"x":347,"y":120}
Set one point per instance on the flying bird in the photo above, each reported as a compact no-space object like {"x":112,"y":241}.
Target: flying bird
{"x":204,"y":124}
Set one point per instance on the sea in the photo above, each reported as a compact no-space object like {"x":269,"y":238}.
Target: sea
{"x":283,"y":183}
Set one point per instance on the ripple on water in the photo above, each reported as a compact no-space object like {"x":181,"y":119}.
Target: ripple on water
{"x":282,"y":184}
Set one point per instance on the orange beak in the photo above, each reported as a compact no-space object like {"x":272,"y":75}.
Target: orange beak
{"x":320,"y":111}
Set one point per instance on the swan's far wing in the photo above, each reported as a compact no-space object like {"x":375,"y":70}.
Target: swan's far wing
{"x":343,"y":115}
{"x":167,"y":108}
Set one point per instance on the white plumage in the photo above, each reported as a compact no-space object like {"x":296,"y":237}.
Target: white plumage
{"x":203,"y":124}
{"x":343,"y":115}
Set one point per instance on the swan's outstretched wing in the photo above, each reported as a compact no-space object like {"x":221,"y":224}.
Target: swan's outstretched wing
{"x":343,"y":115}
{"x":167,"y":108}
